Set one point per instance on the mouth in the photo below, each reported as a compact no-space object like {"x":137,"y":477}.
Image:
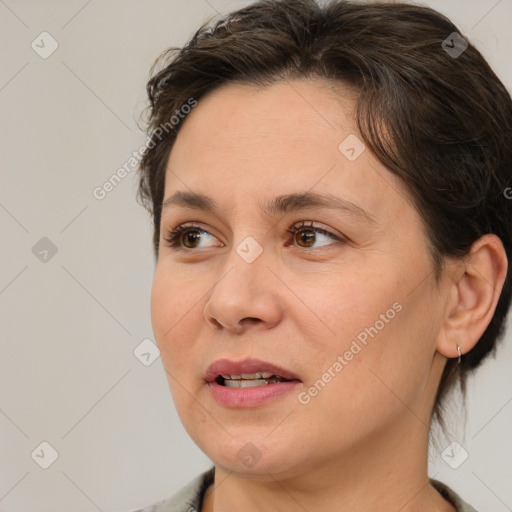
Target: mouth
{"x":249,"y":383}
{"x":247,"y":373}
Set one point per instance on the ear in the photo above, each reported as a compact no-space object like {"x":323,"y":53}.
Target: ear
{"x":475,"y":287}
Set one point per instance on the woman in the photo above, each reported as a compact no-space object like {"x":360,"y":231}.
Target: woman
{"x":328,"y":190}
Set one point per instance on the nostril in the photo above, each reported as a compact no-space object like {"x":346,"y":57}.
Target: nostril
{"x":252,"y":319}
{"x":213,"y":321}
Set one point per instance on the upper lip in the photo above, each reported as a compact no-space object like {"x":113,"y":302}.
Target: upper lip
{"x":250,"y":365}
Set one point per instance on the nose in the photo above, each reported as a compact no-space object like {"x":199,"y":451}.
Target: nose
{"x":244,"y":297}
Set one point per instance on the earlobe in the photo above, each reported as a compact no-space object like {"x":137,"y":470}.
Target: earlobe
{"x":474,"y":294}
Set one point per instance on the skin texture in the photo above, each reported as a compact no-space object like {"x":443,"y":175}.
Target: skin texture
{"x":361,"y":442}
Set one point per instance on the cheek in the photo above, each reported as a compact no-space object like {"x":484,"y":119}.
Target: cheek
{"x":174,"y":316}
{"x":174,"y":311}
{"x":162,"y":306}
{"x":384,"y":334}
{"x":348,"y":301}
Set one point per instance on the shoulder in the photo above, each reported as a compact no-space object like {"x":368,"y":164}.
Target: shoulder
{"x":459,"y":504}
{"x":188,"y":498}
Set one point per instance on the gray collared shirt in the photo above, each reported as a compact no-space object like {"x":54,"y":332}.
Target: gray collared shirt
{"x":190,"y":498}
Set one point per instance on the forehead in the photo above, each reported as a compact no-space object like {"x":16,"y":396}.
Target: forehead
{"x":282,"y":138}
{"x":245,"y":117}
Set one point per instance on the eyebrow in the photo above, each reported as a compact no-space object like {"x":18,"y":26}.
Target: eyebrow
{"x":281,"y":204}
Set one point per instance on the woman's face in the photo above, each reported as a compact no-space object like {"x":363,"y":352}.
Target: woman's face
{"x":307,"y":254}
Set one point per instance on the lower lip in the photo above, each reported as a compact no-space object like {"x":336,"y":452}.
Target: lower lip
{"x":250,"y":397}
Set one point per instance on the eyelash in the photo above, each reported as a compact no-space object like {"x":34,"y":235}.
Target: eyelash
{"x":173,"y":236}
{"x":300,"y":226}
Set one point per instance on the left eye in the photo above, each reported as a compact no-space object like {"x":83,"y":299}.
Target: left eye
{"x":307,"y":236}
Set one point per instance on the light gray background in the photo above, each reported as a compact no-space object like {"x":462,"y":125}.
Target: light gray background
{"x":70,"y":325}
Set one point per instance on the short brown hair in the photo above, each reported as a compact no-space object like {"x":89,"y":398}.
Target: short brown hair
{"x":440,"y":120}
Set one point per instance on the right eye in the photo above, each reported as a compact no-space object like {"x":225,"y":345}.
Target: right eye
{"x":190,"y":237}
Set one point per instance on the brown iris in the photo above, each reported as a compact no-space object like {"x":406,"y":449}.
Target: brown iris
{"x":305,"y":237}
{"x":191,"y":238}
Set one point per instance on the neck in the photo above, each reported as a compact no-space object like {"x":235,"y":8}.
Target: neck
{"x":388,"y":473}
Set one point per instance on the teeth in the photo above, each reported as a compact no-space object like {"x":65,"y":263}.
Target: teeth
{"x":245,"y":383}
{"x":249,"y":383}
{"x":248,"y":376}
{"x":251,"y":375}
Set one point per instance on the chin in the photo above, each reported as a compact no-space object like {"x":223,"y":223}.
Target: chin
{"x":254,"y":457}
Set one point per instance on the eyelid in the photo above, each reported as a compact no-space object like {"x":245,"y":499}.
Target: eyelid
{"x":171,"y":235}
{"x":318,"y":227}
